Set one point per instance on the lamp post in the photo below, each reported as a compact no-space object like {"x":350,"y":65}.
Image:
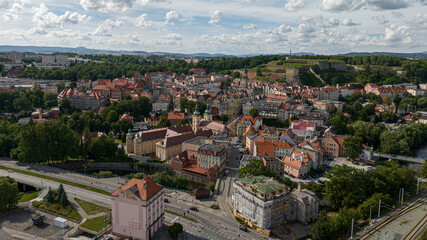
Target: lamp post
{"x":370,"y":214}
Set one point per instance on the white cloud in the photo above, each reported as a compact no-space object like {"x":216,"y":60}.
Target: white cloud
{"x":107,"y":5}
{"x":170,"y":16}
{"x":11,"y":17}
{"x":144,"y":2}
{"x":142,"y":21}
{"x":249,"y":26}
{"x":342,"y":5}
{"x":215,"y":16}
{"x":351,"y":5}
{"x":349,"y":23}
{"x":284,"y":28}
{"x":294,"y":5}
{"x":173,"y":36}
{"x":381,"y":19}
{"x":107,"y":25}
{"x":395,"y":34}
{"x":46,"y":19}
{"x":4,"y":4}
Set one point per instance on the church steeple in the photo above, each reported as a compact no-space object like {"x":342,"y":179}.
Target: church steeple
{"x":196,"y":119}
{"x":208,"y":113}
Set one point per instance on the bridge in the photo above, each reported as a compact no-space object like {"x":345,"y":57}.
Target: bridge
{"x":400,"y":158}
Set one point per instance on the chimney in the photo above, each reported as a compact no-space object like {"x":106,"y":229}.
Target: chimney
{"x":299,"y":187}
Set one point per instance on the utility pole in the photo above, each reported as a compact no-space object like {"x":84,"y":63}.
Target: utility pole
{"x":379,"y":208}
{"x":403,"y":191}
{"x":418,"y":184}
{"x":352,"y":225}
{"x":370,"y":214}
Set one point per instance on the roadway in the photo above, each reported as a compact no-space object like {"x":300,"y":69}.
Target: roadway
{"x":213,"y":224}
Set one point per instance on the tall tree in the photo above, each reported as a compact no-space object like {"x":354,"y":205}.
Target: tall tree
{"x":353,"y":146}
{"x":254,"y":112}
{"x":8,"y":193}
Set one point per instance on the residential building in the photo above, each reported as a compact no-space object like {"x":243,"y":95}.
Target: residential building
{"x":297,"y":164}
{"x":333,"y":145}
{"x":137,"y":209}
{"x":175,"y":117}
{"x":370,"y":87}
{"x":282,"y":149}
{"x":209,"y":155}
{"x":263,"y":149}
{"x":304,"y":206}
{"x":273,"y":164}
{"x":260,"y":202}
{"x":185,"y":164}
{"x":389,"y":91}
{"x":246,"y":121}
{"x":83,"y":101}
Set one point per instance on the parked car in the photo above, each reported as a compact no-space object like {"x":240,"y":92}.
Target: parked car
{"x":243,"y":228}
{"x":194,"y":209}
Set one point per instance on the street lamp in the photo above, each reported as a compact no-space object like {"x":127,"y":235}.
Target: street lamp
{"x":370,"y":214}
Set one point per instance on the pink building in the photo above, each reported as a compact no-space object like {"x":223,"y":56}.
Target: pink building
{"x":137,"y":209}
{"x":250,"y":142}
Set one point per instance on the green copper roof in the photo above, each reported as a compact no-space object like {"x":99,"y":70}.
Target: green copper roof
{"x":263,"y":184}
{"x":197,"y":112}
{"x":129,"y":132}
{"x":208,"y":109}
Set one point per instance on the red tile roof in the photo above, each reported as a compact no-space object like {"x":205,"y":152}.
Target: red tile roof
{"x":176,"y":116}
{"x":143,"y":188}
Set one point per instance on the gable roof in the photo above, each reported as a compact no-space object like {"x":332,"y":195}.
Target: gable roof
{"x":142,"y":188}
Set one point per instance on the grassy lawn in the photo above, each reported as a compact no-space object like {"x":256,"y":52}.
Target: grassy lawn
{"x":29,"y":196}
{"x":93,"y":189}
{"x":91,"y":208}
{"x":95,"y":224}
{"x":68,"y":212}
{"x":177,"y":214}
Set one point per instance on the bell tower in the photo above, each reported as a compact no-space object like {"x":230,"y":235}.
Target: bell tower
{"x":208,"y":114}
{"x":196,"y":119}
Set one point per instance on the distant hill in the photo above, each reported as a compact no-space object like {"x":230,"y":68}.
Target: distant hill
{"x":421,"y":55}
{"x":45,"y":49}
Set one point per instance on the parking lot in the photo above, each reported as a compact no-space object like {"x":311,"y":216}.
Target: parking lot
{"x":17,"y":224}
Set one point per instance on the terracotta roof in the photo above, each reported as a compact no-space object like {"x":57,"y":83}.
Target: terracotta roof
{"x":373,"y":85}
{"x":143,"y":188}
{"x":264,"y":149}
{"x":126,"y":116}
{"x":295,"y":164}
{"x":176,"y":116}
{"x":279,"y":144}
{"x":391,"y":89}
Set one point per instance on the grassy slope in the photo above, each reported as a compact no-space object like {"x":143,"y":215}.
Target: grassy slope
{"x":91,"y":208}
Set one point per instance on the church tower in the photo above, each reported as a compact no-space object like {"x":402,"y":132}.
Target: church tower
{"x":208,"y":114}
{"x":244,"y":79}
{"x":196,"y":119}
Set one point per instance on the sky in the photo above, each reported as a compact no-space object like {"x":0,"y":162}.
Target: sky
{"x":218,"y":26}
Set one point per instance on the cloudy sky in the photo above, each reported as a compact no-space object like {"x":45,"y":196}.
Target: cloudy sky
{"x":218,"y":26}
